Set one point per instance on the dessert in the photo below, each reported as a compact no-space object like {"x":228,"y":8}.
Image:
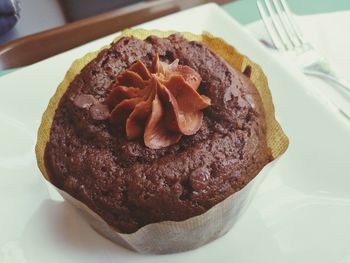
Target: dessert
{"x":154,"y":130}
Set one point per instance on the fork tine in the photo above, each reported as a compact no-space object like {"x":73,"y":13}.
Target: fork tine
{"x":270,"y":30}
{"x":292,"y":22}
{"x":277,"y":25}
{"x":293,"y":37}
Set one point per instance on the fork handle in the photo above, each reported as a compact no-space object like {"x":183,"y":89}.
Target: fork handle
{"x":331,"y":78}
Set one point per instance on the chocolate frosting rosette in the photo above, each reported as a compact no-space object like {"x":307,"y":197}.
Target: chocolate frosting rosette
{"x":161,"y":105}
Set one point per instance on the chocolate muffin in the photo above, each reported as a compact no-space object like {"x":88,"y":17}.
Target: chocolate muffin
{"x":134,"y":174}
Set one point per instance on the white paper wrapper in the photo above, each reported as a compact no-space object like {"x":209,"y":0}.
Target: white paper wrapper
{"x":171,"y":237}
{"x":168,"y":236}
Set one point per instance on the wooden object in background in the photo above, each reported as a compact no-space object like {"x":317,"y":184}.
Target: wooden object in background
{"x":36,"y":47}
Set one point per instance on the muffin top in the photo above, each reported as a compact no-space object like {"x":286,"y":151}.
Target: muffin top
{"x":130,"y":184}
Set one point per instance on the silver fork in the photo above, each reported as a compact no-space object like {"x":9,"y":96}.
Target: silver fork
{"x":287,"y":37}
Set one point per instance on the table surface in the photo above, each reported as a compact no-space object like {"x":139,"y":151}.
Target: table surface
{"x":245,"y":11}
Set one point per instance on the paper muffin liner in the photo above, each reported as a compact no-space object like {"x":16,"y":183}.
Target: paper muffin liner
{"x":171,"y":236}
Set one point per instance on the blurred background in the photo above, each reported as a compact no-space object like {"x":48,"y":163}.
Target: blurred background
{"x":39,"y":15}
{"x":32,"y":30}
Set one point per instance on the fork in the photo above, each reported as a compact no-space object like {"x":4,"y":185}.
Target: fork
{"x":287,"y":37}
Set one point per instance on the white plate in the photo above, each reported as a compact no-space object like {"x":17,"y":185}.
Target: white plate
{"x":300,"y":214}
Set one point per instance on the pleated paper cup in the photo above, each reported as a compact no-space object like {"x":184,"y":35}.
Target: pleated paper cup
{"x":176,"y":236}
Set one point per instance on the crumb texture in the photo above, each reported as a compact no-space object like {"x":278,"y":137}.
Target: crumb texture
{"x":130,"y":185}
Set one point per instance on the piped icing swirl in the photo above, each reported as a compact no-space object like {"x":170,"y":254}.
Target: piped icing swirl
{"x":161,"y":103}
